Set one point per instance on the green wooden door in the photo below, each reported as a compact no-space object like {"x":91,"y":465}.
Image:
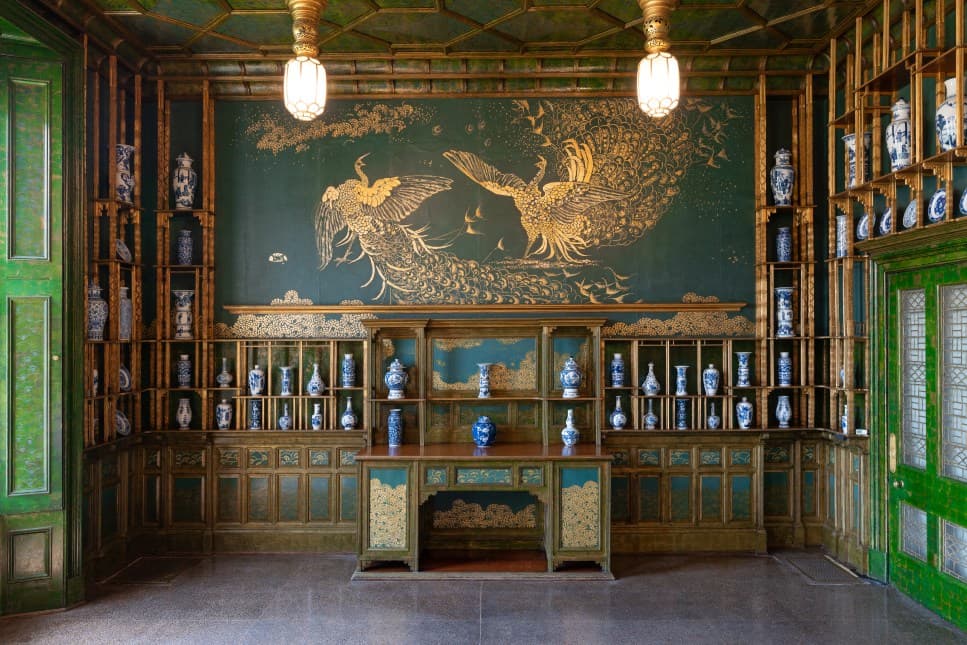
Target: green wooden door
{"x":927,"y":436}
{"x":32,"y":515}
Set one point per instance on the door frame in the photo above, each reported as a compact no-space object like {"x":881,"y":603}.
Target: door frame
{"x":71,"y":55}
{"x":921,"y":249}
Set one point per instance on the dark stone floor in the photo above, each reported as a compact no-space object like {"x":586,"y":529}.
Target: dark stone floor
{"x":240,"y":599}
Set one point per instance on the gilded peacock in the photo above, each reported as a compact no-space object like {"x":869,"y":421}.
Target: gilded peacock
{"x":557,"y":214}
{"x":411,"y":269}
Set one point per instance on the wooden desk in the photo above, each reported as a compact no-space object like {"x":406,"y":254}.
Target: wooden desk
{"x":573,"y":485}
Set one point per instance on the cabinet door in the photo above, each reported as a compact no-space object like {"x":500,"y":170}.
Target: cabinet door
{"x":582,"y":517}
{"x":388,"y":518}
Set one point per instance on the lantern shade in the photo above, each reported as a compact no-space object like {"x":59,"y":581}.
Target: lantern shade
{"x":304,"y":89}
{"x":658,"y":84}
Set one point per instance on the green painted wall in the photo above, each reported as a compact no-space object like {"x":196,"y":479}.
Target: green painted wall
{"x":642,"y":210}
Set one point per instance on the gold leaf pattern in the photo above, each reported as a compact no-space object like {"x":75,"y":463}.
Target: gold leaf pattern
{"x":387,"y":515}
{"x":524,"y":378}
{"x":462,"y":515}
{"x":580,"y":516}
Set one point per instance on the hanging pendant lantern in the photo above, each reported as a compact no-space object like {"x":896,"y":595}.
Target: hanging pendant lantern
{"x":304,"y":87}
{"x":658,"y":77}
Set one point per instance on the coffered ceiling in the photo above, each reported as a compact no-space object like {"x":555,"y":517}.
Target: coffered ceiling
{"x":405,"y":46}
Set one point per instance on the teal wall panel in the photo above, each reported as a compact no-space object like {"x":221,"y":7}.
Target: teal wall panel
{"x":681,"y":497}
{"x":348,"y":496}
{"x":318,"y":498}
{"x":711,"y":497}
{"x":658,"y":190}
{"x":186,"y":500}
{"x":776,"y":493}
{"x":229,"y":505}
{"x":741,"y":500}
{"x":649,"y":499}
{"x":809,"y":493}
{"x":258,"y":499}
{"x":620,"y":498}
{"x":289,"y":486}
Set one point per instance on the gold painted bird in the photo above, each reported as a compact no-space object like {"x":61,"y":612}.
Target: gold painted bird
{"x":555,"y":214}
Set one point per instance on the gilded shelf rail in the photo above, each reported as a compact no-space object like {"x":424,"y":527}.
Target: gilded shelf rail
{"x":655,"y":307}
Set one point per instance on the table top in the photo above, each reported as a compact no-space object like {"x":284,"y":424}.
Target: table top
{"x":498,"y":452}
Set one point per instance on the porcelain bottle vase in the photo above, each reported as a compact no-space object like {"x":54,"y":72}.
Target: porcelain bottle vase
{"x":570,"y":378}
{"x":184,"y":248}
{"x":256,"y":381}
{"x":714,"y":420}
{"x":650,"y":419}
{"x":650,"y":386}
{"x":743,"y":413}
{"x":947,"y":117}
{"x":183,"y":370}
{"x":125,"y":315}
{"x":710,"y":380}
{"x":484,"y":432}
{"x":783,"y":411}
{"x":681,"y":380}
{"x":183,"y":315}
{"x":285,"y":382}
{"x":223,"y":415}
{"x":184,"y":180}
{"x":347,"y":371}
{"x":316,"y":419}
{"x":782,"y":177}
{"x":348,"y":420}
{"x":183,"y":414}
{"x":483,"y":389}
{"x":315,"y":386}
{"x":123,"y":176}
{"x":394,"y":428}
{"x":395,"y":380}
{"x":224,"y":378}
{"x":96,"y":313}
{"x":285,"y":421}
{"x":617,"y":371}
{"x":617,"y":417}
{"x":897,"y":135}
{"x":844,"y":420}
{"x":569,"y":434}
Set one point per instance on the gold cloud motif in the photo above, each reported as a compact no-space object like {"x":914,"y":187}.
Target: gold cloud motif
{"x":462,"y":515}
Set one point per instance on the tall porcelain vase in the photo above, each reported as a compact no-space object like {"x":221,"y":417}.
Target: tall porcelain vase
{"x":784,"y":315}
{"x":394,"y":427}
{"x":782,"y":178}
{"x":851,"y":175}
{"x":947,"y":117}
{"x":183,"y":316}
{"x":126,"y":317}
{"x":96,"y":313}
{"x":123,"y":175}
{"x":183,"y":182}
{"x":897,"y":136}
{"x":743,"y":371}
{"x":483,"y":389}
{"x":183,"y":414}
{"x":783,"y":411}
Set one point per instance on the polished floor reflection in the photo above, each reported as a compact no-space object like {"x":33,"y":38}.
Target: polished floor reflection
{"x":788,"y":597}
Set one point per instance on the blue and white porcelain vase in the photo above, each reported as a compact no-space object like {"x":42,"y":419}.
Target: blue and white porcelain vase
{"x":183,"y":315}
{"x":483,"y":388}
{"x":184,"y":247}
{"x":123,"y":175}
{"x":851,"y":175}
{"x":224,"y":378}
{"x":783,"y":411}
{"x":348,"y":420}
{"x":395,"y":380}
{"x":95,"y":382}
{"x":285,"y":421}
{"x":842,"y":236}
{"x":256,"y":381}
{"x":394,"y":427}
{"x":782,"y":178}
{"x":315,"y":386}
{"x":650,"y":386}
{"x":570,"y":378}
{"x":743,"y":372}
{"x":650,"y":419}
{"x":681,"y":414}
{"x":223,"y":415}
{"x":784,"y":316}
{"x":681,"y":380}
{"x":710,"y":380}
{"x":125,"y":315}
{"x":784,"y":244}
{"x":285,"y":382}
{"x":347,"y":371}
{"x":255,"y":414}
{"x":947,"y":117}
{"x":183,"y":413}
{"x":96,"y":313}
{"x":784,"y":369}
{"x":897,"y":136}
{"x":844,"y":420}
{"x":743,"y":413}
{"x":484,"y":432}
{"x":183,"y":370}
{"x":714,"y":420}
{"x":316,"y":419}
{"x":184,"y":180}
{"x":617,"y":371}
{"x":617,"y":417}
{"x":570,"y":434}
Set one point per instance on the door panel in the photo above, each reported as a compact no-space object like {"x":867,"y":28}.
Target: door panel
{"x":927,"y":382}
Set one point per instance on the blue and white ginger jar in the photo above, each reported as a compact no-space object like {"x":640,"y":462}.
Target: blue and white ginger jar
{"x":395,"y":379}
{"x":947,"y":117}
{"x":96,"y":313}
{"x":484,"y":432}
{"x":570,"y":378}
{"x":897,"y":135}
{"x":851,"y":175}
{"x":782,"y":178}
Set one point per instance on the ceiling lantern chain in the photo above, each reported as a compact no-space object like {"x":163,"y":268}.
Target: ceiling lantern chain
{"x":658,"y":76}
{"x":304,"y":87}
